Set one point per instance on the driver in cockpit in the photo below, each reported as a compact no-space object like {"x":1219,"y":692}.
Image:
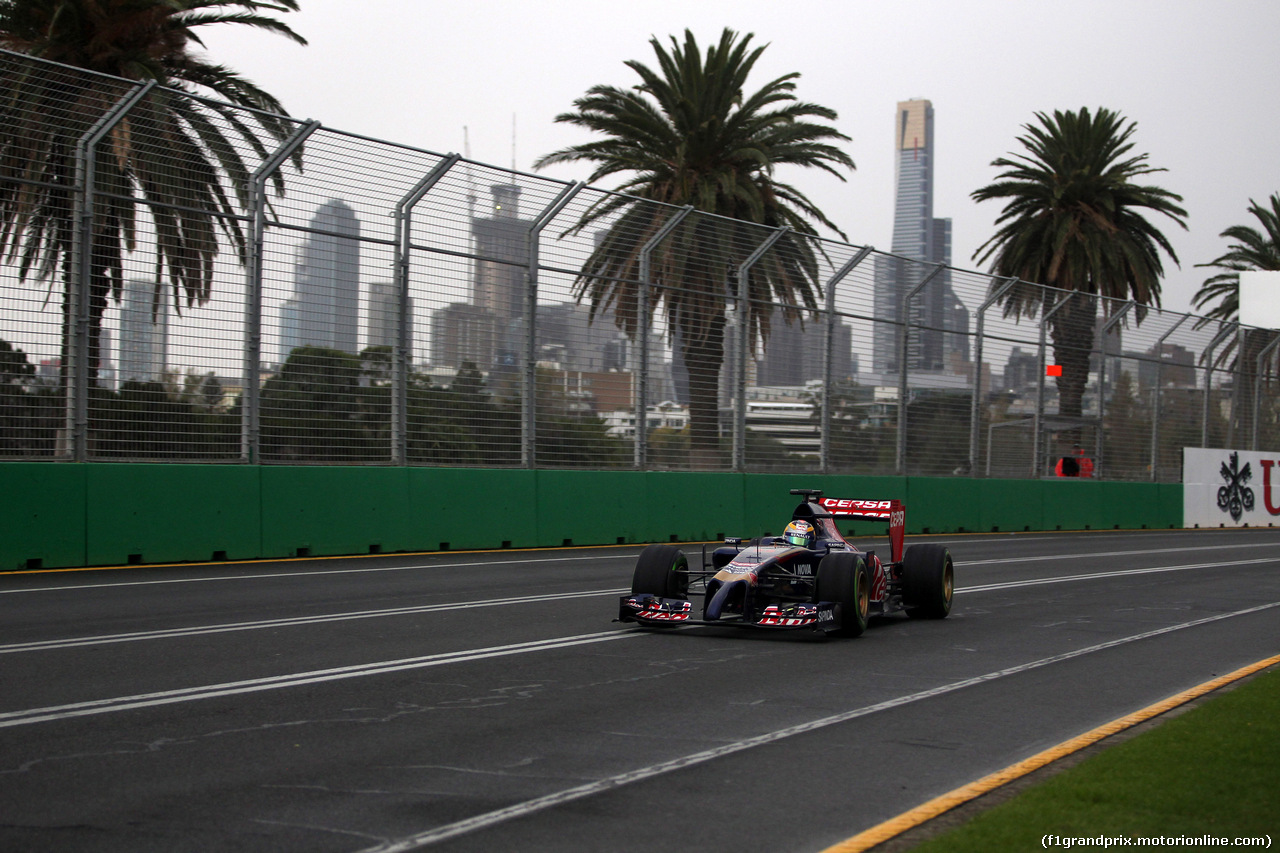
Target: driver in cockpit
{"x":801,"y":534}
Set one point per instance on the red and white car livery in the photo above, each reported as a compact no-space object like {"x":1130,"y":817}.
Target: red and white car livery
{"x":832,"y":587}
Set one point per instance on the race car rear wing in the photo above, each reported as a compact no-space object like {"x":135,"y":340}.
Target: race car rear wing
{"x":893,"y":512}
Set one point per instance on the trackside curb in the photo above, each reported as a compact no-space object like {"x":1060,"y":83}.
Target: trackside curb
{"x":908,"y":820}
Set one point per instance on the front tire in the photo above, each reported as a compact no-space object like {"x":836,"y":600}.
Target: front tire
{"x":928,"y":581}
{"x":661,"y":570}
{"x":844,"y":578}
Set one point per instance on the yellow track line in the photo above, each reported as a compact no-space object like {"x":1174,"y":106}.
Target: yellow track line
{"x":927,"y":811}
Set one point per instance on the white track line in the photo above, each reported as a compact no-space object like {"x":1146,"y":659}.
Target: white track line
{"x":256,"y":577}
{"x":1119,"y":573}
{"x":528,"y":807}
{"x":296,"y":621}
{"x":1098,"y":554}
{"x":200,"y":630}
{"x":93,"y":707}
{"x":189,"y":694}
{"x":622,"y":556}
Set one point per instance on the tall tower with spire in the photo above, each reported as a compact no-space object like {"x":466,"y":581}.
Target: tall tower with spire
{"x":920,"y":237}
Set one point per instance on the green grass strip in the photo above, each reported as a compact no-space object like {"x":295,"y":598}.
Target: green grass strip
{"x":1212,"y":771}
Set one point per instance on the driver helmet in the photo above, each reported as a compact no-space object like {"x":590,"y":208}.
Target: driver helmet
{"x":800,"y":533}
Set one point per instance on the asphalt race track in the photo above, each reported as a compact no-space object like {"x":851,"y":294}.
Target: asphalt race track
{"x":487,"y":702}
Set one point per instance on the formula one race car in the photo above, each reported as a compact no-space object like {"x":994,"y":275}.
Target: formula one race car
{"x":808,"y":578}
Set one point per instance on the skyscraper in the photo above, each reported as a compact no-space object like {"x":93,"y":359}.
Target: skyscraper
{"x":794,"y":355}
{"x":462,"y":332}
{"x":502,"y":242}
{"x":144,"y":331}
{"x":381,"y":310}
{"x":939,"y":320}
{"x":491,"y":325}
{"x":324,"y":308}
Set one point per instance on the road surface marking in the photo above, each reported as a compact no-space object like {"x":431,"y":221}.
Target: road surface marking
{"x":482,"y":821}
{"x":933,"y":808}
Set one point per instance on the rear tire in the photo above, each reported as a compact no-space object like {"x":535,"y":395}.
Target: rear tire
{"x":661,"y":570}
{"x":928,"y":581}
{"x":843,"y":578}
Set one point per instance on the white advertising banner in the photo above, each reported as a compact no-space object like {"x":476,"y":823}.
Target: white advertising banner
{"x":1230,"y":488}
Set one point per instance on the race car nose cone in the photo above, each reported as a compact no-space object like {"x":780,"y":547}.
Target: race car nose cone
{"x":723,"y":594}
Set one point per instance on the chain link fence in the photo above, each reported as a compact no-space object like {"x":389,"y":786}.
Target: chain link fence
{"x":189,"y":281}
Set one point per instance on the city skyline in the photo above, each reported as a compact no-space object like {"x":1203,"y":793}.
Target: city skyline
{"x":986,"y":63}
{"x":480,"y":330}
{"x":488,"y":330}
{"x":499,"y":276}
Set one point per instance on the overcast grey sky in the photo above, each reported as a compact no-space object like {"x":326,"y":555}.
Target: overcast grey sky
{"x":1199,"y":78}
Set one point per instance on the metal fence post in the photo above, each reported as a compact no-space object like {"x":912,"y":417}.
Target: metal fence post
{"x":1236,"y":371}
{"x":1039,"y":415}
{"x":1155,"y":398}
{"x":250,"y":396}
{"x":1102,"y":383}
{"x":529,"y":405}
{"x":900,"y":456}
{"x":1257,"y":388}
{"x":744,"y":329}
{"x":828,"y":345}
{"x":642,"y":331}
{"x":975,"y":413}
{"x":1222,"y":335}
{"x":401,"y":356}
{"x":77,"y":323}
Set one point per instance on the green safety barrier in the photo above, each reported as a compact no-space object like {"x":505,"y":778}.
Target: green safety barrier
{"x":100,"y":514}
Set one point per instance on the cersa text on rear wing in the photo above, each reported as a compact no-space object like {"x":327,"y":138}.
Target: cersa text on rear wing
{"x":892,"y":512}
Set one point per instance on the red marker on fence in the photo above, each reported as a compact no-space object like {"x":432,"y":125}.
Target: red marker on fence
{"x":1053,"y":370}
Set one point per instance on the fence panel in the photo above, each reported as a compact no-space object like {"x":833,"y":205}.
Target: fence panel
{"x":48,"y":113}
{"x":190,"y":281}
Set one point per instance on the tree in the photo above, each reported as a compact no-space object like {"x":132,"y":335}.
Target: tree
{"x":861,"y":439}
{"x":1074,"y":220}
{"x":157,"y":420}
{"x":1253,"y":249}
{"x":201,"y":391}
{"x":934,"y":446}
{"x":311,"y":409}
{"x":1127,"y":428}
{"x":15,"y":374}
{"x":689,"y":134}
{"x":376,"y":364}
{"x":14,"y":367}
{"x":212,"y":392}
{"x":462,"y":424}
{"x":172,"y":153}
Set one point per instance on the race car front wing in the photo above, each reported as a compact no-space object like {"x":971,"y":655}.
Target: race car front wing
{"x":654,"y":610}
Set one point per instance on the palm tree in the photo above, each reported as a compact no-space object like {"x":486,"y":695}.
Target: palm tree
{"x":1252,"y":250}
{"x":689,"y":134}
{"x":1074,"y":220}
{"x":172,"y":152}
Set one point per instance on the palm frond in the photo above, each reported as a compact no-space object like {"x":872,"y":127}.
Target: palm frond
{"x":1251,"y":249}
{"x":173,"y":153}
